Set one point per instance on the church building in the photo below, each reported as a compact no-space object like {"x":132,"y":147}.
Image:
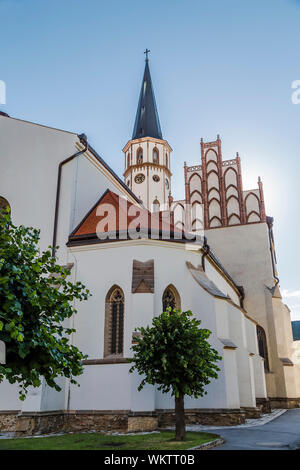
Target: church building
{"x":140,"y":251}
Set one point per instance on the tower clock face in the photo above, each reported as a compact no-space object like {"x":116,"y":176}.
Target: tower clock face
{"x":167,"y":183}
{"x":139,"y":178}
{"x":156,"y":178}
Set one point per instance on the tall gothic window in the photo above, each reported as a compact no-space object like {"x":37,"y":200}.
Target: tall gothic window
{"x":167,"y":162}
{"x":262,"y":345}
{"x":114,"y":322}
{"x":170,"y":298}
{"x":155,"y":156}
{"x":139,"y":156}
{"x":4,"y":204}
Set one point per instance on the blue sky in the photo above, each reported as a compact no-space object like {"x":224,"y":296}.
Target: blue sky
{"x":223,"y":66}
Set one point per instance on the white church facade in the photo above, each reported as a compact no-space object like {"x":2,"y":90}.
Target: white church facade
{"x":141,"y":258}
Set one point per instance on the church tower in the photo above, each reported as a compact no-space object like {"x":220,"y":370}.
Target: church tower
{"x":147,"y":155}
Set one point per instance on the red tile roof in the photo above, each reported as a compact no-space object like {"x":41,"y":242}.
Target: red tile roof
{"x":113,"y":213}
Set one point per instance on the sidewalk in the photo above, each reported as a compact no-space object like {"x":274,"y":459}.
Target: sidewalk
{"x":277,"y":430}
{"x":282,"y":433}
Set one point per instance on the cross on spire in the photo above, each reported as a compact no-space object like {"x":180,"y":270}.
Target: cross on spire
{"x":147,"y":52}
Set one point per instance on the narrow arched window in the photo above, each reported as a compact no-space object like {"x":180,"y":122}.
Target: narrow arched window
{"x":262,"y":345}
{"x":167,"y":161}
{"x":139,"y":156}
{"x":114,"y":322}
{"x":4,"y":204}
{"x":155,"y":156}
{"x":156,"y":205}
{"x":128,"y":160}
{"x":171,"y":298}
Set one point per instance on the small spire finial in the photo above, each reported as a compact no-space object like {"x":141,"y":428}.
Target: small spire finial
{"x":147,"y":52}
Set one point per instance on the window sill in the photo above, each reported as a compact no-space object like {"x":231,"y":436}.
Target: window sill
{"x":106,"y":360}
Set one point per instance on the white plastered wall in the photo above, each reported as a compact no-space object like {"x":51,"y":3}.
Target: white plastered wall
{"x":29,"y":157}
{"x":170,"y":268}
{"x":248,"y":246}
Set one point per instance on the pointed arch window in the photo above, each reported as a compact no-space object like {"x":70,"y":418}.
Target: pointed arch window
{"x":262,"y":345}
{"x":114,"y":322}
{"x":4,"y":204}
{"x":139,"y":156}
{"x":171,"y":298}
{"x":155,"y":156}
{"x":156,"y":205}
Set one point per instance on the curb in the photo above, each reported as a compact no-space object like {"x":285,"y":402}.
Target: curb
{"x":209,"y":445}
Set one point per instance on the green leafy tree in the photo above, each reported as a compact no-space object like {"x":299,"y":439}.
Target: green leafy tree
{"x":174,"y":354}
{"x":36,"y":298}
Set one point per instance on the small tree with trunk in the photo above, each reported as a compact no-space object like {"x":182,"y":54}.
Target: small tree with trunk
{"x":174,"y":354}
{"x":36,"y":298}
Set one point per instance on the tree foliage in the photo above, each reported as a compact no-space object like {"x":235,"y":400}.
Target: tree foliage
{"x":36,"y":299}
{"x":174,"y":354}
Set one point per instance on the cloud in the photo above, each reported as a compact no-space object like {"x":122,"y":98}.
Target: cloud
{"x":291,"y":297}
{"x":289,"y":294}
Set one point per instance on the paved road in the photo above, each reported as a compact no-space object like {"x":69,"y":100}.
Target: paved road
{"x":283,"y":433}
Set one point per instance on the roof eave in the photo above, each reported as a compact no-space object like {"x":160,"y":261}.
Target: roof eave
{"x":147,"y":139}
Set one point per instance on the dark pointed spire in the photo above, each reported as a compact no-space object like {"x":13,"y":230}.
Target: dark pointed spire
{"x":147,"y":120}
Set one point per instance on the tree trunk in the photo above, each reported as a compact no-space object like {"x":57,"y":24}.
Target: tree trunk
{"x":180,"y":417}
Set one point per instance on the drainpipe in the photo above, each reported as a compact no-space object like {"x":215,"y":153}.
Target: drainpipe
{"x":270,"y":221}
{"x":242,"y":298}
{"x":206,"y":248}
{"x":83,"y":140}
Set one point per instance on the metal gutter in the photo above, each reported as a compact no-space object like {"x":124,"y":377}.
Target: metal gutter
{"x":83,"y":140}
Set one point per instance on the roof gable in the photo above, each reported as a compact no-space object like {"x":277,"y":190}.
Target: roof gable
{"x":113,"y":217}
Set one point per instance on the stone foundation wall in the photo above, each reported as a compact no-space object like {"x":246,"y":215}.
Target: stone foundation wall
{"x":80,"y":422}
{"x":252,"y":413}
{"x":142,"y":423}
{"x":278,"y":402}
{"x":30,"y":424}
{"x":264,"y":404}
{"x":8,"y":421}
{"x":213,"y":417}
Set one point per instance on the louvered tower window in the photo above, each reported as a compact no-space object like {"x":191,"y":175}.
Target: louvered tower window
{"x":155,"y":156}
{"x":139,"y":156}
{"x":155,"y":205}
